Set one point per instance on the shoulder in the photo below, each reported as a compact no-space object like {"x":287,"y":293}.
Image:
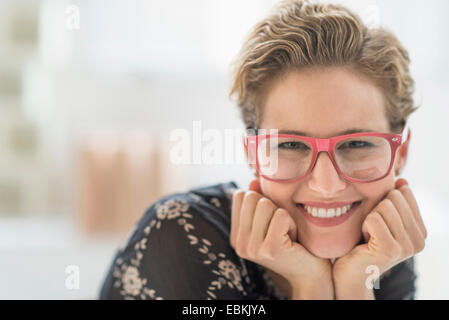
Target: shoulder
{"x":209,"y":204}
{"x":214,"y":196}
{"x":180,"y":249}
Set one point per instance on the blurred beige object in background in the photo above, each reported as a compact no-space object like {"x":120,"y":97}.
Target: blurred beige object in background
{"x":121,"y":173}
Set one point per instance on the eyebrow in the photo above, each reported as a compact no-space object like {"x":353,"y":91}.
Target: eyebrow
{"x":300,"y":133}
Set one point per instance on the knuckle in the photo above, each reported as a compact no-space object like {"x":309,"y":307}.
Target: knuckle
{"x":395,"y":193}
{"x":373,"y":217}
{"x":266,"y":203}
{"x":237,"y":196}
{"x":385,"y":204}
{"x":421,"y":245}
{"x":280,"y":213}
{"x":238,"y":193}
{"x":278,"y":217}
{"x":251,"y":195}
{"x":383,"y":208}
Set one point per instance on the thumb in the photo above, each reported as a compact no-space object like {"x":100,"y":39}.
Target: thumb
{"x":281,"y":224}
{"x":365,"y":233}
{"x":255,"y":186}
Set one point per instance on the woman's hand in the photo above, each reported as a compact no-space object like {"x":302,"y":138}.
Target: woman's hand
{"x":267,"y":235}
{"x":394,"y":231}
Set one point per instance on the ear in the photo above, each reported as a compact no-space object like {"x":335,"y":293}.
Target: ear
{"x":401,"y":157}
{"x":249,"y":158}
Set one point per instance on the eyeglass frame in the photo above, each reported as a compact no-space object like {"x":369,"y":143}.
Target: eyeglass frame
{"x":326,"y":145}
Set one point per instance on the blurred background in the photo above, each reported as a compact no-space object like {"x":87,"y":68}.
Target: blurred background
{"x":91,"y":91}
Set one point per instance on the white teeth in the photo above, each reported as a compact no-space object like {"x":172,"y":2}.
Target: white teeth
{"x":328,"y":213}
{"x":322,"y":213}
{"x":338,"y":213}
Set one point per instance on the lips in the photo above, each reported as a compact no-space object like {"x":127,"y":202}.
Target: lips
{"x":325,"y":221}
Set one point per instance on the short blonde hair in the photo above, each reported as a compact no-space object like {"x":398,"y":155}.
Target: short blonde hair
{"x":299,"y":34}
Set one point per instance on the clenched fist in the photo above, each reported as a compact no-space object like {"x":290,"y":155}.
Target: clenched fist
{"x":267,"y":235}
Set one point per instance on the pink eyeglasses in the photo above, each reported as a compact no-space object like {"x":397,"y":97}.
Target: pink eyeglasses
{"x":357,"y":157}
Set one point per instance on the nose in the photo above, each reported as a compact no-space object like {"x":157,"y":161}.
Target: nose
{"x":324,"y":178}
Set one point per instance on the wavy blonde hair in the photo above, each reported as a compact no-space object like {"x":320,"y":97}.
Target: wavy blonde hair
{"x":299,"y":34}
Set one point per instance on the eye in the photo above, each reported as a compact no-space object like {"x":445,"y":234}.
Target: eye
{"x":293,"y":145}
{"x":356,"y":144}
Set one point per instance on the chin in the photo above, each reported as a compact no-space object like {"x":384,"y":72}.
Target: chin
{"x":326,"y":251}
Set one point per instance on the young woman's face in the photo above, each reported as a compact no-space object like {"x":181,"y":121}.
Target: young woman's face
{"x":323,"y":103}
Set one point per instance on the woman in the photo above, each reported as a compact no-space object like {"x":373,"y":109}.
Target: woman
{"x":313,"y":225}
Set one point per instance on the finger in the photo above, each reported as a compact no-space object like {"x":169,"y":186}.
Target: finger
{"x":250,"y":200}
{"x":264,"y":212}
{"x":237,"y":199}
{"x":411,"y":200}
{"x":281,"y":229}
{"x":391,"y":217}
{"x":400,"y":182}
{"x":380,"y":237}
{"x":394,"y":221}
{"x":408,"y":219}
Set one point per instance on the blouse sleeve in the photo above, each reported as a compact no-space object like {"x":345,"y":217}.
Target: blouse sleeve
{"x":398,"y":283}
{"x":179,"y":250}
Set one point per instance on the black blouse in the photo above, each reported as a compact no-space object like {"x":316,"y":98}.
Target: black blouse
{"x":180,"y":250}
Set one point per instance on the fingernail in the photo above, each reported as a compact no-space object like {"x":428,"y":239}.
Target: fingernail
{"x":254,"y":185}
{"x":401,"y":182}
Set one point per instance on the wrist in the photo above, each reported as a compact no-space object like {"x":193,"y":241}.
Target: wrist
{"x":321,"y":289}
{"x":352,"y":283}
{"x":353,"y":290}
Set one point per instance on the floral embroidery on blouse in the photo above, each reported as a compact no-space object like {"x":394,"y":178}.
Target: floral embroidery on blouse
{"x":227,"y":273}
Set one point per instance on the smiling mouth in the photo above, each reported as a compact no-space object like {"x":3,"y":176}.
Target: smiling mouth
{"x":331,"y":212}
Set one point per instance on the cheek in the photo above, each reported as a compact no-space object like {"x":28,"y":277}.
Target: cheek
{"x":281,"y":194}
{"x":371,"y":193}
{"x":375,"y":192}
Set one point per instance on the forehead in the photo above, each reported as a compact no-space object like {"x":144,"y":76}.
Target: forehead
{"x":324,"y":102}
